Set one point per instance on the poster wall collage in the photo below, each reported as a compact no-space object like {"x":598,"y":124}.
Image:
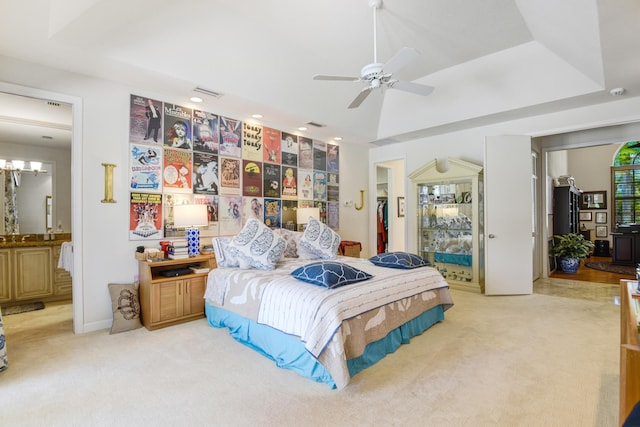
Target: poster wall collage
{"x":240,"y":170}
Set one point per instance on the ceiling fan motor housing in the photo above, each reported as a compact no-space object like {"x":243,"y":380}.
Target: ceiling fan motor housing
{"x":371,"y":71}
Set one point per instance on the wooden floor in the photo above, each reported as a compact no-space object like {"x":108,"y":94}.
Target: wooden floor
{"x":587,"y":274}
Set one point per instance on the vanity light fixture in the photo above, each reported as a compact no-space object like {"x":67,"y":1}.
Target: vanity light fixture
{"x":18,"y":166}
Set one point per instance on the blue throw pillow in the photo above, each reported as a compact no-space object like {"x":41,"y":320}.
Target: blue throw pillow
{"x":402,"y":260}
{"x":330,"y":274}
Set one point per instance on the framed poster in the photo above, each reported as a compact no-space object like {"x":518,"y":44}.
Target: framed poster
{"x":601,"y":217}
{"x":593,"y":200}
{"x":585,"y":216}
{"x":601,"y":231}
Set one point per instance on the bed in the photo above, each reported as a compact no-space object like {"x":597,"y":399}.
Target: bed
{"x":327,"y":335}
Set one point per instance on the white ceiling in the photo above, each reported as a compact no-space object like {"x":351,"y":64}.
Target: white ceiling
{"x":489,"y":60}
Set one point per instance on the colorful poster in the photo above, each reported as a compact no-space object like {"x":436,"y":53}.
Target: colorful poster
{"x":230,"y":137}
{"x":305,"y":184}
{"x":319,"y":185}
{"x":333,"y":187}
{"x":289,"y":183}
{"x":252,"y":207}
{"x":145,"y":216}
{"x":272,"y":209}
{"x":322,"y":207}
{"x":205,"y":132}
{"x":252,"y":142}
{"x":305,"y":153}
{"x":211,"y":229}
{"x":333,"y":158}
{"x":333,"y":215}
{"x":251,"y":178}
{"x":205,"y":173}
{"x":145,"y":120}
{"x":145,"y":171}
{"x":169,"y":200}
{"x":230,"y":215}
{"x":289,"y":149}
{"x":271,"y":180}
{"x":320,"y":155}
{"x":272,"y":145}
{"x":177,"y":175}
{"x":289,"y":217}
{"x":229,"y":175}
{"x":177,"y":126}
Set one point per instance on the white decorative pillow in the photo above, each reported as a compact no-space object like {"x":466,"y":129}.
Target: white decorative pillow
{"x":224,"y":257}
{"x":257,"y":246}
{"x":292,"y":238}
{"x":319,"y":240}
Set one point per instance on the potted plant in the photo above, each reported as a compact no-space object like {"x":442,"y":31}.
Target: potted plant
{"x":570,"y":249}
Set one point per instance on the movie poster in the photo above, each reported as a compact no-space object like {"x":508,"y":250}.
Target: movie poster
{"x":271,"y":145}
{"x":169,"y":200}
{"x":289,"y":182}
{"x":319,"y":155}
{"x":333,"y":158}
{"x":230,"y":215}
{"x":289,"y":149}
{"x":205,"y":173}
{"x":205,"y":132}
{"x":251,"y":178}
{"x":252,"y":142}
{"x":229,"y":175}
{"x":305,"y":184}
{"x":145,"y":120}
{"x":252,"y":207}
{"x":211,"y":229}
{"x":145,"y":216}
{"x":319,"y":185}
{"x":333,"y":215}
{"x":230,"y":137}
{"x":145,"y":171}
{"x":305,"y":153}
{"x":272,"y":208}
{"x":177,"y":126}
{"x":271,"y":180}
{"x":333,"y":187}
{"x":177,"y":175}
{"x":322,"y":207}
{"x":289,"y":217}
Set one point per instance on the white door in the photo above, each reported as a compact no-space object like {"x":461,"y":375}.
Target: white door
{"x":508,"y":217}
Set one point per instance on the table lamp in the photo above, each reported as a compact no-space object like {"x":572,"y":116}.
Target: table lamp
{"x":190,"y":217}
{"x":303,"y":215}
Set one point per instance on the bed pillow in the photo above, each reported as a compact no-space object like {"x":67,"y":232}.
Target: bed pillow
{"x":257,"y":246}
{"x":224,"y":257}
{"x":402,"y":260}
{"x":292,"y":238}
{"x":125,"y":305}
{"x":319,"y":240}
{"x":330,"y":274}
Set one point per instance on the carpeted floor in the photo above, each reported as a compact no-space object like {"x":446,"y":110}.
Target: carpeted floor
{"x":607,"y":266}
{"x":23,"y":308}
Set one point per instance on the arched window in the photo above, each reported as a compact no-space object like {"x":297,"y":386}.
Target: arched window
{"x":625,"y":184}
{"x":628,"y":154}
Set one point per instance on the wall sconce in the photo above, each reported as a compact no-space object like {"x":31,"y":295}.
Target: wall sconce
{"x":191,"y":217}
{"x":303,"y":215}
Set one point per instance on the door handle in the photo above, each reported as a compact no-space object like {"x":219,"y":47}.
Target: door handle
{"x":491,"y":236}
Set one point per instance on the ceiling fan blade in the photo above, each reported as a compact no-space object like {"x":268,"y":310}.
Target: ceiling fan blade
{"x":400,"y":59}
{"x":361,"y":97}
{"x":339,"y":78}
{"x":416,"y":88}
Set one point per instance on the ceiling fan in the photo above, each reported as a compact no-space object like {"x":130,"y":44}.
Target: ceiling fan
{"x":377,"y":74}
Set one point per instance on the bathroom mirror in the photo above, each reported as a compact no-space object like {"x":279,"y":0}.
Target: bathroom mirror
{"x":31,"y":195}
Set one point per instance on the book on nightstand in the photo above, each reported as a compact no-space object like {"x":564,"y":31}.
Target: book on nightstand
{"x":199,"y":270}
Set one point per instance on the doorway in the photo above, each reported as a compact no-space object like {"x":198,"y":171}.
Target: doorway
{"x":388,"y":209}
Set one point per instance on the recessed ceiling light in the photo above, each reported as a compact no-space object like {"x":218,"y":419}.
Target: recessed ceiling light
{"x":302,"y":128}
{"x":195,"y":99}
{"x":337,"y":138}
{"x":257,"y":116}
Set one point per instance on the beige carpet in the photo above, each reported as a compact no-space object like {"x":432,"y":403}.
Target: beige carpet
{"x":495,"y":361}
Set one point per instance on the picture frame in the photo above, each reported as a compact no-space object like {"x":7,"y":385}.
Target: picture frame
{"x":400,"y":207}
{"x":601,"y":231}
{"x":593,"y":200}
{"x":585,"y":216}
{"x":601,"y":217}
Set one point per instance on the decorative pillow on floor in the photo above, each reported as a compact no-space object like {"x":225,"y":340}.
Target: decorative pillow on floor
{"x":257,"y":246}
{"x":224,"y":257}
{"x":330,"y":274}
{"x":292,"y":238}
{"x":319,"y":240}
{"x":125,"y":304}
{"x":402,"y":260}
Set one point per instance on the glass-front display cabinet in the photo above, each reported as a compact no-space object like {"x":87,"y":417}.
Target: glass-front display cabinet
{"x":450,"y":220}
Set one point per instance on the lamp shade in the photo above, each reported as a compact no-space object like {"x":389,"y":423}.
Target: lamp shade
{"x":303,"y":214}
{"x":190,"y":215}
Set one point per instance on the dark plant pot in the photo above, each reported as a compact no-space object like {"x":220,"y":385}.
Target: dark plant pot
{"x":569,"y":265}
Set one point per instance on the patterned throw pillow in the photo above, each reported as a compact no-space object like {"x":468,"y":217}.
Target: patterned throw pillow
{"x":319,"y":240}
{"x":257,"y":246}
{"x":292,"y":238}
{"x":402,"y":260}
{"x":224,"y":257}
{"x":330,"y":274}
{"x":125,"y":304}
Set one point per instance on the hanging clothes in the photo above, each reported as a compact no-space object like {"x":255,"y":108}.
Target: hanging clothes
{"x":382,"y":225}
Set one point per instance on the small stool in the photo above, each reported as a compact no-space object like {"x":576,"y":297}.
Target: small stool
{"x":601,"y":248}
